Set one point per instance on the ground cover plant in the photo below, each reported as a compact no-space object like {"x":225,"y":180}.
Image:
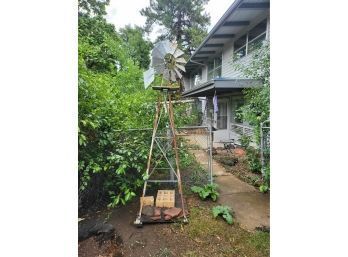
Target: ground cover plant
{"x":223,"y":211}
{"x":206,"y":191}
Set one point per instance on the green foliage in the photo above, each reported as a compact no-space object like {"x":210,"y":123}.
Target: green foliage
{"x":138,"y":48}
{"x":252,"y":154}
{"x":93,"y":7}
{"x":257,"y":100}
{"x":256,"y":109}
{"x":245,"y":141}
{"x":266,"y":179}
{"x":253,"y":160}
{"x":183,"y":20}
{"x":224,"y":211}
{"x":111,"y":98}
{"x":207,"y":191}
{"x":263,"y":188}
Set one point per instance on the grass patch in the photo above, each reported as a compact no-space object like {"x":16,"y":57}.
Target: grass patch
{"x":214,"y":237}
{"x":261,"y":241}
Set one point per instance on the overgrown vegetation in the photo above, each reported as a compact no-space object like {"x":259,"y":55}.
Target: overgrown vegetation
{"x":252,"y":154}
{"x":223,"y":211}
{"x":207,"y":191}
{"x":256,"y":109}
{"x":111,"y":99}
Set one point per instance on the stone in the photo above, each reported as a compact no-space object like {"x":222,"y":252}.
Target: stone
{"x":172,"y":212}
{"x":147,"y":210}
{"x":157,"y":211}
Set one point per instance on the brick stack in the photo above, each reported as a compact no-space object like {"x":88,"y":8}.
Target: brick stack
{"x":165,"y":198}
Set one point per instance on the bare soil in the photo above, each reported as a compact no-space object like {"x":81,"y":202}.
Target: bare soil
{"x":240,"y":169}
{"x":202,"y":236}
{"x":91,"y":247}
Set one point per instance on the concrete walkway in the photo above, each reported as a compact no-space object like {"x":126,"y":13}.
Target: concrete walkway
{"x":251,"y":208}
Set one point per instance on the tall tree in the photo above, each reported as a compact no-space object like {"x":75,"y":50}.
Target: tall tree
{"x":93,"y":7}
{"x":137,"y":47}
{"x":183,"y":20}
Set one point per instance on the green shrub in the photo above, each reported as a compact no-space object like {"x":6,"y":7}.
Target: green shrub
{"x":224,"y":211}
{"x":263,"y":188}
{"x":207,"y":191}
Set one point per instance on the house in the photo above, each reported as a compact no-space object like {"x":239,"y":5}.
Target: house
{"x":212,"y":68}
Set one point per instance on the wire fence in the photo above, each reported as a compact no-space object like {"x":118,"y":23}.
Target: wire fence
{"x":195,"y":153}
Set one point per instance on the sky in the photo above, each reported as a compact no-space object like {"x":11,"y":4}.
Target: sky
{"x":121,"y":13}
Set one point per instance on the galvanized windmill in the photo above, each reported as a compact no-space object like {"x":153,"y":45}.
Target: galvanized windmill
{"x":168,"y":63}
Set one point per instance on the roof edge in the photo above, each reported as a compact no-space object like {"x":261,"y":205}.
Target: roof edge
{"x":233,"y":6}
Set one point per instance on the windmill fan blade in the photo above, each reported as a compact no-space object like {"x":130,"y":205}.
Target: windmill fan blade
{"x":178,"y":53}
{"x":180,"y":67}
{"x":168,"y":47}
{"x":178,"y":73}
{"x":172,"y":75}
{"x":166,"y":74}
{"x":181,"y":60}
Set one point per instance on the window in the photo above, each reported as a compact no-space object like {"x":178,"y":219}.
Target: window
{"x":195,"y":78}
{"x":251,"y":40}
{"x":214,"y":68}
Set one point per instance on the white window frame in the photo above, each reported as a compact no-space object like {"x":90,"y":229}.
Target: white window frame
{"x":215,"y":68}
{"x":247,"y":42}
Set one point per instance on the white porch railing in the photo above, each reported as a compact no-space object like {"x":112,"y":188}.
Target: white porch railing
{"x":241,"y":129}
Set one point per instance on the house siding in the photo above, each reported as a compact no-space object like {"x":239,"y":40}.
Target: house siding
{"x":204,"y":74}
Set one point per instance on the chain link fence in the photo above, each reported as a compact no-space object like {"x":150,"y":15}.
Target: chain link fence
{"x":265,"y":147}
{"x":194,"y":147}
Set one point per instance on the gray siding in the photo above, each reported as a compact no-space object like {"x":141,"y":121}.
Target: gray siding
{"x":204,"y":74}
{"x":233,"y":72}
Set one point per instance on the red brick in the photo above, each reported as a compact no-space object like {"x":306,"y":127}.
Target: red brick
{"x":172,"y":212}
{"x":157,"y":212}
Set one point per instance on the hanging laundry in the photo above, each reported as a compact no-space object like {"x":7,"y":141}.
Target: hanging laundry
{"x":215,"y":103}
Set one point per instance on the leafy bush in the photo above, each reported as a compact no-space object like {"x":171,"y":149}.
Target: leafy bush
{"x":266,"y":183}
{"x":256,"y":109}
{"x":207,"y":191}
{"x":111,"y":98}
{"x":253,"y":160}
{"x":224,"y":211}
{"x":263,"y":188}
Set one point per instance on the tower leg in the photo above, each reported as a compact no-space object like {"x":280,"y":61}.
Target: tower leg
{"x":138,"y":221}
{"x":172,"y":126}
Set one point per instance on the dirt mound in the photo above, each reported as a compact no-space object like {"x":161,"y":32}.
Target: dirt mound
{"x":93,"y":247}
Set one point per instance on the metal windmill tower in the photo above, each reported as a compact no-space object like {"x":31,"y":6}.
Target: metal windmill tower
{"x":167,"y":61}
